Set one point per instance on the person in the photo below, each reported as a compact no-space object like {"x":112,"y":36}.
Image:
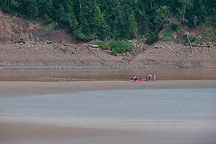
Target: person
{"x":132,"y":77}
{"x":135,"y":77}
{"x":155,"y":77}
{"x":149,"y":76}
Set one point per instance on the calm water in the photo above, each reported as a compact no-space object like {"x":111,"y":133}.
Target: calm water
{"x":144,"y":104}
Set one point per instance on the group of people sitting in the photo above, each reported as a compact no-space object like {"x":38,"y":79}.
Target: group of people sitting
{"x":147,"y":77}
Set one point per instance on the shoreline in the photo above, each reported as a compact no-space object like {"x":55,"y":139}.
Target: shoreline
{"x":23,"y":88}
{"x":105,"y":74}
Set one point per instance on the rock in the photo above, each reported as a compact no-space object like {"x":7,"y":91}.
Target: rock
{"x":20,"y":41}
{"x":66,"y":44}
{"x":95,"y":46}
{"x":72,"y":52}
{"x":48,"y":42}
{"x":156,"y":46}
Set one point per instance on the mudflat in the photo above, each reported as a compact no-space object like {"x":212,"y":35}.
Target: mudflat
{"x":57,"y":74}
{"x":20,"y":130}
{"x":17,"y":88}
{"x":25,"y":129}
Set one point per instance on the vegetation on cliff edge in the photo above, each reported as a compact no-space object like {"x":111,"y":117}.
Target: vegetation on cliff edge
{"x":115,"y":19}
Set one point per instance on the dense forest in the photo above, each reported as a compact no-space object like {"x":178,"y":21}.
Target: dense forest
{"x":114,"y":19}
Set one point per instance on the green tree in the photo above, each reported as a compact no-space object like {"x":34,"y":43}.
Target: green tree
{"x":185,"y":4}
{"x":44,"y":8}
{"x":99,"y":25}
{"x":196,"y":12}
{"x":161,"y":18}
{"x":211,"y":8}
{"x":114,"y":19}
{"x":27,"y":8}
{"x":133,"y":30}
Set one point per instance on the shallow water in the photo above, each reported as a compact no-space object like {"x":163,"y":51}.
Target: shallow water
{"x":136,"y":104}
{"x":145,"y":110}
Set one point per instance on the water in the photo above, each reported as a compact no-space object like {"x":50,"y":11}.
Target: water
{"x":127,"y":110}
{"x":140,"y":104}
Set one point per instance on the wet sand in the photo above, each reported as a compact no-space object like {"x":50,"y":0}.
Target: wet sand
{"x":17,"y":88}
{"x":104,"y":74}
{"x":25,"y":129}
{"x":18,"y":130}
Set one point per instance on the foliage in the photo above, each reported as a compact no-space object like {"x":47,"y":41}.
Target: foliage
{"x":170,"y":33}
{"x":114,"y":19}
{"x":103,"y":45}
{"x":114,"y":52}
{"x":176,"y":28}
{"x":152,"y":38}
{"x":209,"y":23}
{"x":161,"y":14}
{"x":188,"y":39}
{"x":80,"y":35}
{"x":99,"y":26}
{"x":208,"y":35}
{"x":121,"y":46}
{"x":133,"y":30}
{"x":192,"y":38}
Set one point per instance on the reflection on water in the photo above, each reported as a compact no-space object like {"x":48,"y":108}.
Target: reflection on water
{"x":161,"y":103}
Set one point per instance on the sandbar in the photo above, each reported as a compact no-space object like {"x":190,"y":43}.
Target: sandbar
{"x":19,"y":88}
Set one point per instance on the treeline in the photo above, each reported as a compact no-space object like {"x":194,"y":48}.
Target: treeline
{"x":114,"y":19}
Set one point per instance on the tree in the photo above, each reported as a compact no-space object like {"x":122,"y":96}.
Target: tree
{"x":186,"y":4}
{"x":211,"y":8}
{"x":27,"y":8}
{"x":196,"y":13}
{"x":44,"y":8}
{"x":133,"y":30}
{"x":73,"y":22}
{"x":116,"y":19}
{"x":99,"y":25}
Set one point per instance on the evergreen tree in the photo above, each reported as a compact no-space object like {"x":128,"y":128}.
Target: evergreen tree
{"x":185,"y":5}
{"x":211,"y":9}
{"x":44,"y":8}
{"x":27,"y":7}
{"x":118,"y":19}
{"x":161,"y":18}
{"x":133,"y":30}
{"x":197,"y":13}
{"x":99,"y":25}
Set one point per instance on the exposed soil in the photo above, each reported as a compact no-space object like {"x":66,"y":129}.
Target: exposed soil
{"x":24,"y":45}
